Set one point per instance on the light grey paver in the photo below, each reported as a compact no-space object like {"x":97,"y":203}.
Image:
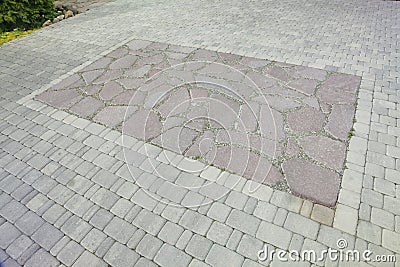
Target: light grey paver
{"x":119,"y":255}
{"x":70,"y":253}
{"x":219,"y":233}
{"x":169,"y":256}
{"x":243,"y":222}
{"x":149,"y":246}
{"x":41,"y":257}
{"x":89,"y":260}
{"x":170,"y":233}
{"x":93,"y":239}
{"x":198,"y":247}
{"x":149,"y":222}
{"x":120,"y":230}
{"x":195,"y":222}
{"x":221,"y":256}
{"x":47,"y":236}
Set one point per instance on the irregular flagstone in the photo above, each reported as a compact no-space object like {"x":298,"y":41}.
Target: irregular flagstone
{"x":99,"y":64}
{"x":110,"y":90}
{"x":176,"y":102}
{"x":125,"y":98}
{"x":69,"y":82}
{"x":278,"y":73}
{"x":311,"y":181}
{"x":306,"y":120}
{"x":241,"y":120}
{"x":339,"y":89}
{"x":61,"y":99}
{"x":281,"y":103}
{"x":305,"y":86}
{"x":90,"y":76}
{"x":311,"y":73}
{"x":325,"y":150}
{"x":124,"y":62}
{"x":177,"y":139}
{"x":143,"y":124}
{"x":111,"y":115}
{"x":340,"y":121}
{"x":87,"y":106}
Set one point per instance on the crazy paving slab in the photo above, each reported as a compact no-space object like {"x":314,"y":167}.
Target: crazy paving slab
{"x":283,"y":125}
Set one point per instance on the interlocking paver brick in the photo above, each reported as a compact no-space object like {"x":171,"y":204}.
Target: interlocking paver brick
{"x":13,"y":210}
{"x":169,"y":256}
{"x":234,"y":239}
{"x":70,"y":253}
{"x":19,"y":246}
{"x":236,"y":200}
{"x":40,"y":258}
{"x":249,"y":247}
{"x":104,"y":198}
{"x":274,"y":235}
{"x":121,"y":256}
{"x":301,"y":225}
{"x":149,"y":246}
{"x":243,"y":222}
{"x":198,"y":247}
{"x":219,"y":233}
{"x":89,"y":260}
{"x":145,"y":199}
{"x":47,"y":236}
{"x":78,"y":205}
{"x":149,"y":222}
{"x":170,"y":233}
{"x":195,"y":222}
{"x":93,"y":239}
{"x":8,"y":234}
{"x":219,"y":212}
{"x":220,"y":256}
{"x":369,"y":232}
{"x":29,"y":223}
{"x":120,"y":230}
{"x":76,"y":228}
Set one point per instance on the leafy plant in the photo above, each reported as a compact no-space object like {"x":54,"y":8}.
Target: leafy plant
{"x":25,"y":14}
{"x":8,"y":36}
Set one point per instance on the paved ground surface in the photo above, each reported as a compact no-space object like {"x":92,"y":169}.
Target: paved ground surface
{"x":288,"y":130}
{"x":67,"y":195}
{"x":84,"y":5}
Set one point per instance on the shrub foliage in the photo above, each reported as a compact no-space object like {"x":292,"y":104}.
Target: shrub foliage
{"x":24,"y":14}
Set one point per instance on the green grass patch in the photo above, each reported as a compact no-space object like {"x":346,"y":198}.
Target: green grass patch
{"x":9,"y":36}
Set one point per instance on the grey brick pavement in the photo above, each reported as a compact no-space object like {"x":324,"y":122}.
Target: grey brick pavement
{"x":51,"y":161}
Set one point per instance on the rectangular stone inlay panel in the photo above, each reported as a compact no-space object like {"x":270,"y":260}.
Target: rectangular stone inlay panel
{"x":283,"y":125}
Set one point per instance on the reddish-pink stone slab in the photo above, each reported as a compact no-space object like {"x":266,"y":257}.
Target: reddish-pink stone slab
{"x":98,"y":64}
{"x":340,"y":121}
{"x":110,"y":90}
{"x":311,"y":73}
{"x":306,"y":120}
{"x":60,"y":99}
{"x":312,"y":182}
{"x":90,"y":76}
{"x":278,"y":73}
{"x":87,"y":106}
{"x":111,"y":115}
{"x":339,"y":89}
{"x":124,"y":62}
{"x":143,"y":124}
{"x":325,"y":150}
{"x":304,"y":85}
{"x":72,"y":81}
{"x":177,"y":139}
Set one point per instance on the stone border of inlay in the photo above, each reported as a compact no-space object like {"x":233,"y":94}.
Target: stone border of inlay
{"x":344,"y":217}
